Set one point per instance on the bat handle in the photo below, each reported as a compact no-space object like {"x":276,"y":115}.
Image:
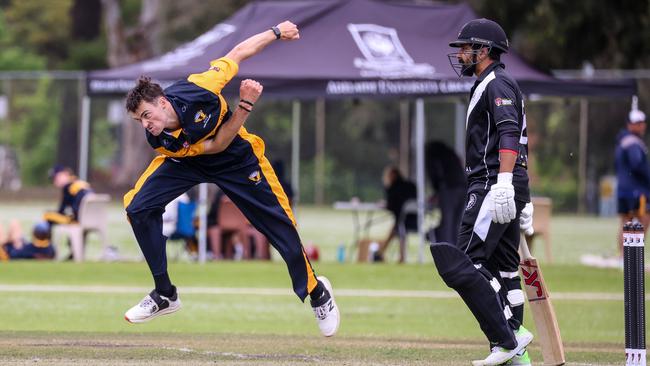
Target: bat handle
{"x":524,"y":247}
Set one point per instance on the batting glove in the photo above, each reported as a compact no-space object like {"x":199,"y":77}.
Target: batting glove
{"x":502,"y":196}
{"x":526,"y":219}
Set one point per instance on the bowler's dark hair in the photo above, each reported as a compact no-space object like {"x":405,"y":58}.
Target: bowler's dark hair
{"x":146,"y":91}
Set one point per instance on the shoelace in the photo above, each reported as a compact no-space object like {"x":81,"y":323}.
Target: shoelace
{"x":146,"y":302}
{"x":321,"y":311}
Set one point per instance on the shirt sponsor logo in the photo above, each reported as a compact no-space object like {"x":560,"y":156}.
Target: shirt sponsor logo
{"x":255,"y":177}
{"x":503,"y":102}
{"x":471,"y":201}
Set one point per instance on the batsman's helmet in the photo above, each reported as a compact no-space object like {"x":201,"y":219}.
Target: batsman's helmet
{"x":478,"y":33}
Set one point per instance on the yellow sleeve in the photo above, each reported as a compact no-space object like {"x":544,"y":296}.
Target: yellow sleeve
{"x":221,"y":71}
{"x":192,"y":150}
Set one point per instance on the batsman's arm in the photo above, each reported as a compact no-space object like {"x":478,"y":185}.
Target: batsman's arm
{"x":249,"y":93}
{"x":254,"y":44}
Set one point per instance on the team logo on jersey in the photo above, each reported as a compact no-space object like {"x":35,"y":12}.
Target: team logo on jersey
{"x":186,"y":145}
{"x":503,"y":101}
{"x":471,"y":201}
{"x":199,"y":116}
{"x":255,"y":177}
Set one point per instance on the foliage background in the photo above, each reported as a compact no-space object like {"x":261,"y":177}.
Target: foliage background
{"x":362,"y":135}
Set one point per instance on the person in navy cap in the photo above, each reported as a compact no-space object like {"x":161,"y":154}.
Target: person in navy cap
{"x":632,"y":173}
{"x":73,"y":191}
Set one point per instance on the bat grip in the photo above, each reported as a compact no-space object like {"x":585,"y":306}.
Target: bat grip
{"x":524,"y":247}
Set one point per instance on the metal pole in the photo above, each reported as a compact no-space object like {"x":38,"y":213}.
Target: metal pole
{"x":319,"y":164}
{"x":582,"y":159}
{"x":404,"y":135}
{"x":419,"y":160}
{"x":84,"y":138}
{"x":295,"y":151}
{"x":203,"y":224}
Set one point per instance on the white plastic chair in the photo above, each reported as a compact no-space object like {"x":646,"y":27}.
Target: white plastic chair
{"x":93,"y":216}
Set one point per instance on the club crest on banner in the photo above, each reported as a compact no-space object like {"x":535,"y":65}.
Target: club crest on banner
{"x":383,"y":54}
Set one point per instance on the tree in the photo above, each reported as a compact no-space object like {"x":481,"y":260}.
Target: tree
{"x":14,"y":57}
{"x":46,"y":32}
{"x":127,"y":45}
{"x":32,"y":134}
{"x":555,"y":34}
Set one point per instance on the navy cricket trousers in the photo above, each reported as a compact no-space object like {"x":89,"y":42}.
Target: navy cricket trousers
{"x":246,"y":177}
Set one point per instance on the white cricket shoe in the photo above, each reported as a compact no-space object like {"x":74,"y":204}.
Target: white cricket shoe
{"x":500,"y":355}
{"x":153,"y":305}
{"x":326,"y":311}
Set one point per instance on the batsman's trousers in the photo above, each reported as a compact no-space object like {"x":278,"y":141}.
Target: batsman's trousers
{"x":246,"y":177}
{"x":487,"y":242}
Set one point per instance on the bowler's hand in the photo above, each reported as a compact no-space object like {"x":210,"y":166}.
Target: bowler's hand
{"x":502,"y":199}
{"x":288,"y":31}
{"x":250,"y":90}
{"x":526,"y":219}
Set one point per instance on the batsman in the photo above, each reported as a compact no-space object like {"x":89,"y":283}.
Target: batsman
{"x":483,"y":266}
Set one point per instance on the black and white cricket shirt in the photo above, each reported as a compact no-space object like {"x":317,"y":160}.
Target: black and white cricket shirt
{"x":496,"y":120}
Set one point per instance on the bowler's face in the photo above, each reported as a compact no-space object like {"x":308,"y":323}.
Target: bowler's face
{"x":151,"y":116}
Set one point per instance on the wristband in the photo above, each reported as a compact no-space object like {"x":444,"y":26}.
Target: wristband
{"x":277,"y":32}
{"x":245,"y":108}
{"x":246,"y":102}
{"x":504,"y":178}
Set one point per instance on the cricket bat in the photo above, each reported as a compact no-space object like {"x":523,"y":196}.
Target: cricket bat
{"x":539,"y":301}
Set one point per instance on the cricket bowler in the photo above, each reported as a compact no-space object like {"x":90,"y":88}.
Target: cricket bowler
{"x":202,"y":140}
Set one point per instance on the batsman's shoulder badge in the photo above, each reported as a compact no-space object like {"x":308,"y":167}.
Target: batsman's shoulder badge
{"x":471,"y":201}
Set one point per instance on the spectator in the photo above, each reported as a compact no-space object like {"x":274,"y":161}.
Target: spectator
{"x":398,"y":190}
{"x":632,"y":173}
{"x":447,"y":177}
{"x":15,"y":246}
{"x":73,"y":191}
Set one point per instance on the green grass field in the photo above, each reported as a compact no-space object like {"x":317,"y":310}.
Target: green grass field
{"x":240,"y":313}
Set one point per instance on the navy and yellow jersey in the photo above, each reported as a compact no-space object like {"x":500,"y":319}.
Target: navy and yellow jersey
{"x":68,"y":211}
{"x":200,"y":108}
{"x":38,"y":249}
